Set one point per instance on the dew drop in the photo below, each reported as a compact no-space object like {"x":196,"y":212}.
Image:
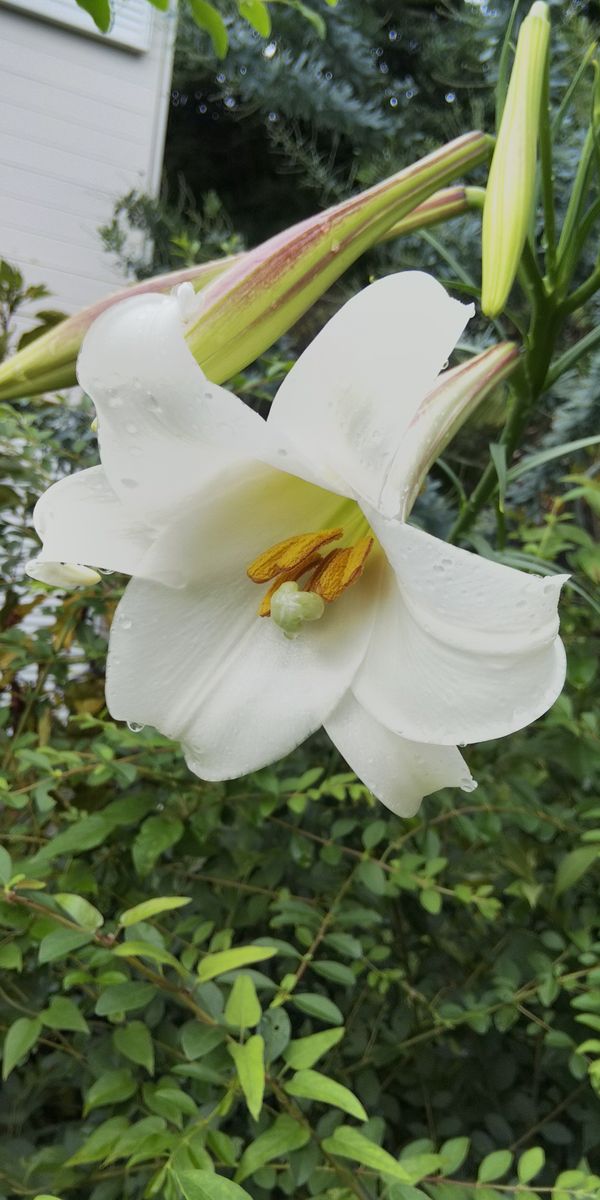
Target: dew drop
{"x":131,"y":428}
{"x":125,"y":623}
{"x":134,"y":727}
{"x":105,"y":571}
{"x":468,"y":785}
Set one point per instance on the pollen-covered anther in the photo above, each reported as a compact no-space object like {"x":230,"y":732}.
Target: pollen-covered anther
{"x":339,"y":569}
{"x":286,"y":577}
{"x":289,"y":554}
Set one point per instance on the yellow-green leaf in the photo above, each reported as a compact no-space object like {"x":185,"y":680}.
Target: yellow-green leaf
{"x":229,"y":960}
{"x":306,"y":1051}
{"x":243,"y":1009}
{"x":249,"y":1062}
{"x":151,"y":908}
{"x":347,"y":1142}
{"x":21,"y":1036}
{"x":311,"y":1085}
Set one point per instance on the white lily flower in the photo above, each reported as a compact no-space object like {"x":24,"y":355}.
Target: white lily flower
{"x":276,"y":586}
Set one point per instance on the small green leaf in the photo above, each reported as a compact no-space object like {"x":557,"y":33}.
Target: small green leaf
{"x":257,"y":15}
{"x":347,"y":1142}
{"x":431,"y":901}
{"x":11,"y":957}
{"x":111,"y":1088}
{"x":198,"y":1040}
{"x":207,"y":18}
{"x":134,"y":1041}
{"x":243,"y":1009}
{"x":335,"y":971}
{"x":205,"y":1185}
{"x":315,"y":1005}
{"x":494,"y":1166}
{"x":63,"y":1013}
{"x":573,"y":866}
{"x":99,"y":11}
{"x":306,"y":1051}
{"x":61,"y":942}
{"x":100,"y":1142}
{"x":285,"y":1135}
{"x":6,"y":867}
{"x":311,"y":1085}
{"x":135,"y":949}
{"x":372,"y":876}
{"x":229,"y":960}
{"x":123,"y":997}
{"x":80,"y":910}
{"x":19,"y":1040}
{"x":530,"y":1164}
{"x":314,"y":18}
{"x":156,"y":835}
{"x":453,"y":1154}
{"x":151,"y":908}
{"x":250,"y":1067}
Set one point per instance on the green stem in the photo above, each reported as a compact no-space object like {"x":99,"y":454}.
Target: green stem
{"x":583,"y":293}
{"x":572,"y":88}
{"x":576,"y":199}
{"x":572,"y":356}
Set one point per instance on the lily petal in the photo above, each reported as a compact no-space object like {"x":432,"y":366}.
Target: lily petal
{"x":397,"y":771}
{"x":80,"y":519}
{"x":347,"y":402}
{"x":162,"y":425}
{"x":463,"y":649}
{"x":232,"y":688}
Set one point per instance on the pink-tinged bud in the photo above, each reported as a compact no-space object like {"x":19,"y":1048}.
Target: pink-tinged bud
{"x":442,"y":206}
{"x":48,"y":363}
{"x":245,"y":310}
{"x":252,"y":298}
{"x":448,"y":406}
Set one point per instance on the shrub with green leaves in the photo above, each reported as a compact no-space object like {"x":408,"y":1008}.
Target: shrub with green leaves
{"x":272,"y":986}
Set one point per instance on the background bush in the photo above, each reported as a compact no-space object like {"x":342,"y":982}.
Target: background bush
{"x":449,"y":966}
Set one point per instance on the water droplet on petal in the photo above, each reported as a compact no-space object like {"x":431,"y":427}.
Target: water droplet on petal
{"x":468,"y":784}
{"x":134,"y":727}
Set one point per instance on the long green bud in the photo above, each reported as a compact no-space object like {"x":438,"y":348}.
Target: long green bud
{"x":244,"y":311}
{"x":249,"y":300}
{"x":510,"y":192}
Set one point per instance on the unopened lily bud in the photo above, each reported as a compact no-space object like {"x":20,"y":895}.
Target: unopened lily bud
{"x":254,"y":297}
{"x":48,"y":363}
{"x":456,"y":395}
{"x":244,"y":311}
{"x":510,"y":192}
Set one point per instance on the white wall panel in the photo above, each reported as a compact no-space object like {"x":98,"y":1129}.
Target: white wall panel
{"x":82,"y":122}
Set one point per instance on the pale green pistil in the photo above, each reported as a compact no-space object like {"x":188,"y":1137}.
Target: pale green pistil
{"x":290,"y":608}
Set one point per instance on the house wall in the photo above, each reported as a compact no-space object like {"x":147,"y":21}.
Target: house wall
{"x":82,"y":120}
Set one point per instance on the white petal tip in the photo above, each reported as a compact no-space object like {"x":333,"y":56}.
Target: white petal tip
{"x":186,"y":301}
{"x":61,"y":575}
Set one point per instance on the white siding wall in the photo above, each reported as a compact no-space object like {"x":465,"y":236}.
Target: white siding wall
{"x":81,"y":122}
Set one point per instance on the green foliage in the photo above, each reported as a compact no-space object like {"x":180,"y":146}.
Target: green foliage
{"x":222,"y":1021}
{"x":273,"y":987}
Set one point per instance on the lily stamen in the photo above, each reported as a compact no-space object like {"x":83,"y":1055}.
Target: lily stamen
{"x":289,"y":560}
